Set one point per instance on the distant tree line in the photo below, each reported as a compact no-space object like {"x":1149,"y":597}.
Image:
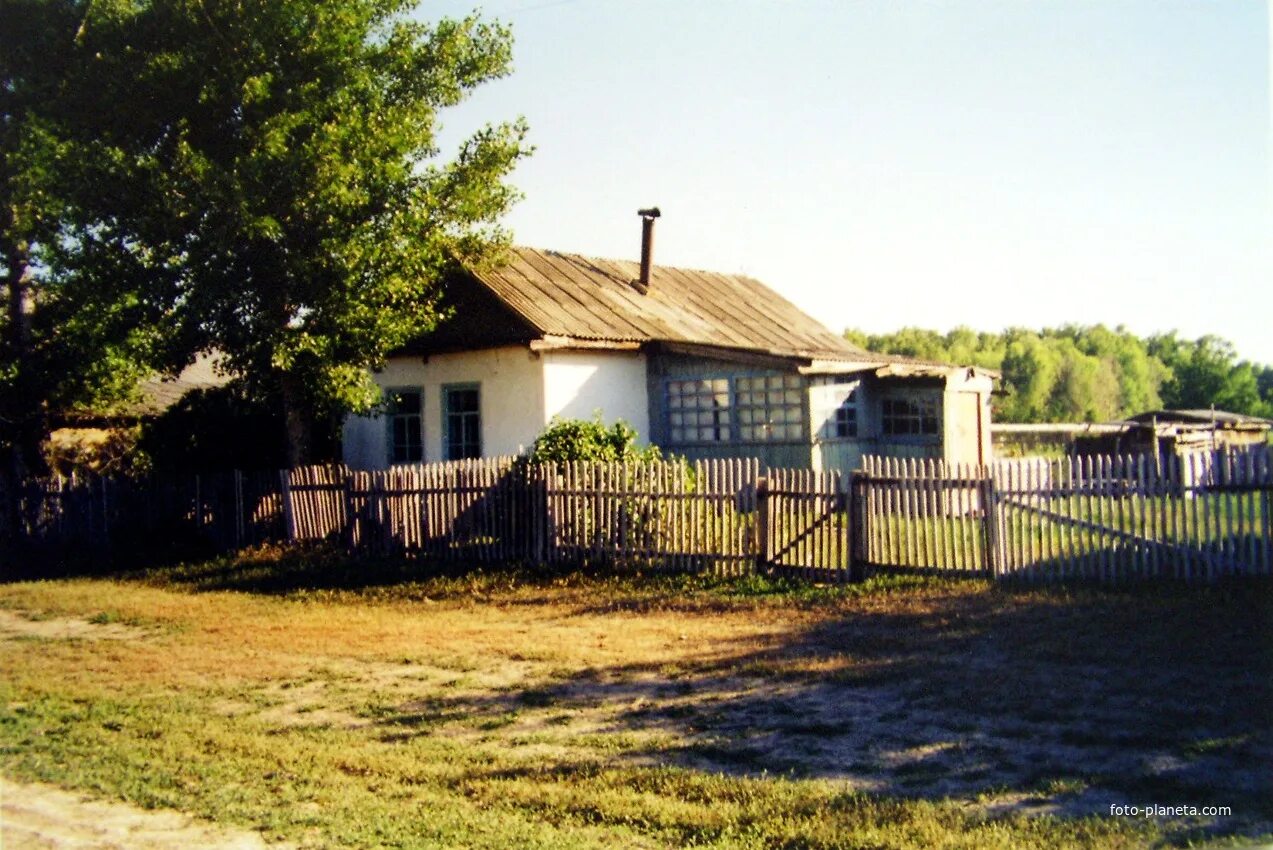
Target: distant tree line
{"x":1092,"y":373}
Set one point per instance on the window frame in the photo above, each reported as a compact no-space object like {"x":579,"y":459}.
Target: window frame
{"x":842,"y":421}
{"x":393,"y":416}
{"x":787,"y":385}
{"x":684,"y":396}
{"x":446,"y":391}
{"x":924,"y":409}
{"x":720,"y":418}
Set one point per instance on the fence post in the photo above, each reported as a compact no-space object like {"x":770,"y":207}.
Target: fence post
{"x":537,"y":483}
{"x":285,"y":496}
{"x":857,"y":526}
{"x":989,"y":512}
{"x":240,"y":524}
{"x":763,"y":555}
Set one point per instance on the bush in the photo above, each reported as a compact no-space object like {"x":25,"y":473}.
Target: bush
{"x":582,"y":439}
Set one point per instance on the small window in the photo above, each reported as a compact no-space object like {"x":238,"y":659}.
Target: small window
{"x":844,"y":420}
{"x":770,"y":408}
{"x":911,"y":417}
{"x":698,"y":411}
{"x":406,"y":444}
{"x":462,"y":418}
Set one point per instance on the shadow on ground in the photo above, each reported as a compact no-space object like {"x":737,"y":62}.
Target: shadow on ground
{"x":1061,"y":702}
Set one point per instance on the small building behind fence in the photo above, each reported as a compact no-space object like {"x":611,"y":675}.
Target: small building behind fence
{"x":1163,"y":433}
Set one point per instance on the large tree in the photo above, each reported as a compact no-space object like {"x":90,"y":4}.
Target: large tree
{"x":78,"y":327}
{"x":284,"y":203}
{"x":300,"y":200}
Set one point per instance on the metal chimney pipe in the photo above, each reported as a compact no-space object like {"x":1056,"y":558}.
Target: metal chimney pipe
{"x":647,"y":244}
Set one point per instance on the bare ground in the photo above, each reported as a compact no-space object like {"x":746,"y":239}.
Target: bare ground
{"x":34,"y":816}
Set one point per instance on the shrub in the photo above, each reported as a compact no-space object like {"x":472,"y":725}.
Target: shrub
{"x":583,"y":439}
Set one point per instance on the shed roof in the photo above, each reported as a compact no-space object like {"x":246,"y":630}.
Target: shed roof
{"x":1205,"y":418}
{"x":583,"y":298}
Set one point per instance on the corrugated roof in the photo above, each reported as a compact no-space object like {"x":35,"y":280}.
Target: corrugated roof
{"x":569,"y":295}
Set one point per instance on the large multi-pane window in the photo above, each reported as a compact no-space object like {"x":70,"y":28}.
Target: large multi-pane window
{"x":405,"y":425}
{"x":911,"y":416}
{"x":748,"y":409}
{"x":769,"y":408}
{"x":698,"y":411}
{"x":462,"y":422}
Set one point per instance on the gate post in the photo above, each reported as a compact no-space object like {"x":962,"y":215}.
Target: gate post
{"x":990,"y":515}
{"x":763,"y":556}
{"x":857,"y":527}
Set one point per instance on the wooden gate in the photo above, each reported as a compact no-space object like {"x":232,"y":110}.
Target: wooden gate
{"x":1201,"y":516}
{"x":803,"y":525}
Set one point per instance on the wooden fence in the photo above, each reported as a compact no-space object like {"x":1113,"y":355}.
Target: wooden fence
{"x":1200,"y":516}
{"x":1106,"y":519}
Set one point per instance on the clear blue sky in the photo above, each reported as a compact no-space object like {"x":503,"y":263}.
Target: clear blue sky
{"x":890,"y":163}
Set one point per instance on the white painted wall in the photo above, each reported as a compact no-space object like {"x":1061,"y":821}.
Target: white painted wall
{"x":520,"y":393}
{"x":578,"y":384}
{"x":511,"y":396}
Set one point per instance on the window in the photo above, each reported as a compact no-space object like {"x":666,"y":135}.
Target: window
{"x":404,"y":421}
{"x":904,"y":417}
{"x":844,"y":422}
{"x":841,"y":421}
{"x":769,"y":407}
{"x":698,"y":411}
{"x":462,"y":422}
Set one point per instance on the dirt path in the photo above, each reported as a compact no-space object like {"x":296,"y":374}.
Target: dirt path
{"x":14,"y":623}
{"x":41,"y":817}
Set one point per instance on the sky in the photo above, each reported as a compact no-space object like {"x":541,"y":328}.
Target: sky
{"x":933,"y":164}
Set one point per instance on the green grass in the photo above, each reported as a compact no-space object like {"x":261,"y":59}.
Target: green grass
{"x":278,"y":692}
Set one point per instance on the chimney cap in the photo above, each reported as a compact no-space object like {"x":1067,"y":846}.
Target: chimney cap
{"x":652,"y":212}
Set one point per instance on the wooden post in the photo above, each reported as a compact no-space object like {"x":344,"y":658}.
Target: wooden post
{"x":198,"y":503}
{"x":537,"y":478}
{"x":762,"y":525}
{"x":240,"y":524}
{"x":857,"y":526}
{"x":989,"y":512}
{"x":285,"y":497}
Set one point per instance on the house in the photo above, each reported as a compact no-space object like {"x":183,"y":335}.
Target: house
{"x":702,"y":364}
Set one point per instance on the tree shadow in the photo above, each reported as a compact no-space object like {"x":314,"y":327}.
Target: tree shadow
{"x":1040,"y":702}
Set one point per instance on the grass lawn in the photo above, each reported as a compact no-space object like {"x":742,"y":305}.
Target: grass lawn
{"x":328,"y":704}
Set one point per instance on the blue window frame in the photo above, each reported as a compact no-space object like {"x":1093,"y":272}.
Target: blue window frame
{"x":461,"y":421}
{"x":405,"y":424}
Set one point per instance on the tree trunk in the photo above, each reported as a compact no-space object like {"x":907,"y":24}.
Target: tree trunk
{"x":297,"y":419}
{"x":23,"y":415}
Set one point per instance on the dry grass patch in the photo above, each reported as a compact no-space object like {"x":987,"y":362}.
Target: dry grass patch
{"x":566,"y":711}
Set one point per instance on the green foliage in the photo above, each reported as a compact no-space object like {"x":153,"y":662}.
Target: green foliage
{"x":1207,"y":372}
{"x":273,"y":181}
{"x":582,"y":439}
{"x":1092,"y":373}
{"x":80,"y":325}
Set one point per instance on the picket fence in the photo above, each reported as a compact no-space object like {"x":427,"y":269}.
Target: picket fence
{"x":1198,"y":517}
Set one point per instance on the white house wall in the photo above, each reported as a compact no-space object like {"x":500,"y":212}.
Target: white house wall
{"x":520,"y":392}
{"x":579,"y":384}
{"x":511,"y":396}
